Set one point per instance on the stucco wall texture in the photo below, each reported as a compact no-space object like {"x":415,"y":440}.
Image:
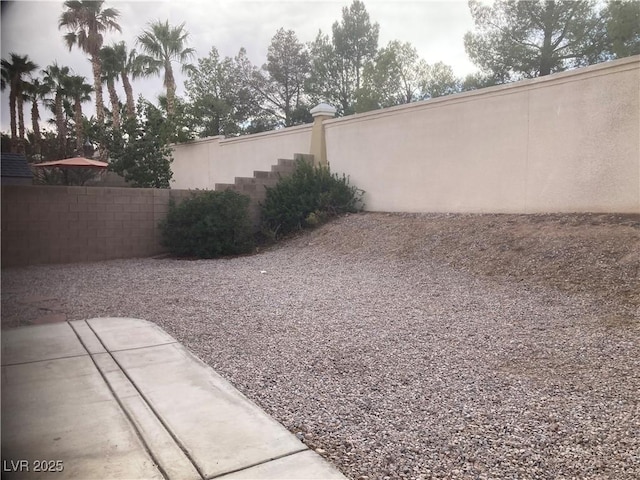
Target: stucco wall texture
{"x":203,"y":163}
{"x":568,"y":142}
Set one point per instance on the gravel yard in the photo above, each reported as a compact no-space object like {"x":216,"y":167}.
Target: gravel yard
{"x":407,"y":346}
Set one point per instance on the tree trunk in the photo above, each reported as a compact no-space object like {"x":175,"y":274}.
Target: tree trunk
{"x":217,"y":122}
{"x":35,"y":125}
{"x":115,"y":104}
{"x":60,"y":124}
{"x":79,"y":129}
{"x":20,"y":101}
{"x":97,"y":85}
{"x":546,"y":55}
{"x":170,"y":83}
{"x":14,"y":133}
{"x":131,"y":109}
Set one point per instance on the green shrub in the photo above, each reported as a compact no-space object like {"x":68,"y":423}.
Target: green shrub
{"x":308,"y":197}
{"x":208,"y":225}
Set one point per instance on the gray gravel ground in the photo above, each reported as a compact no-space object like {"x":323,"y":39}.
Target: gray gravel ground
{"x":389,"y":365}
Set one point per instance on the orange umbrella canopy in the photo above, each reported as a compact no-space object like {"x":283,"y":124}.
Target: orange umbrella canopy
{"x":74,"y":162}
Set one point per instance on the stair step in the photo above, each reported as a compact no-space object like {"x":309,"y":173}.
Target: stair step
{"x":268,"y":181}
{"x":256,"y":187}
{"x":286,"y":162}
{"x":307,"y":157}
{"x":225,"y":186}
{"x":270,"y":177}
{"x":282,"y":169}
{"x":244,"y":180}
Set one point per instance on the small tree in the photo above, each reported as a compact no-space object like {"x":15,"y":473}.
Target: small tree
{"x":140,"y":150}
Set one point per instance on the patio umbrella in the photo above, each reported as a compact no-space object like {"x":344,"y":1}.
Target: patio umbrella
{"x":74,"y":163}
{"x":80,"y":165}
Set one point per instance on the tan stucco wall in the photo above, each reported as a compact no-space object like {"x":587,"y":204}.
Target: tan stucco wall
{"x":191,"y":163}
{"x":568,"y":142}
{"x":564,"y":143}
{"x":203,"y":163}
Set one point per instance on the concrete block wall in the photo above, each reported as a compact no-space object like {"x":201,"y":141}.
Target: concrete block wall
{"x":255,"y":187}
{"x":49,"y":224}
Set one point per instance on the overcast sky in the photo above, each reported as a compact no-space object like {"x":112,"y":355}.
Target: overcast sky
{"x":434,"y":28}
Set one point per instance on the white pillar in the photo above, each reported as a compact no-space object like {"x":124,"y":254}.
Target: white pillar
{"x":318,"y":147}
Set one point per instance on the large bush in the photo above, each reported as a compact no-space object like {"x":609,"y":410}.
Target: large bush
{"x":310,"y":195}
{"x":208,"y":225}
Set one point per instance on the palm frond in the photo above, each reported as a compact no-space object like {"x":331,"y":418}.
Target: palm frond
{"x":70,"y":39}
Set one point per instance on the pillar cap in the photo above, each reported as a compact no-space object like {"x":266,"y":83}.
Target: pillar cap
{"x":323,"y":109}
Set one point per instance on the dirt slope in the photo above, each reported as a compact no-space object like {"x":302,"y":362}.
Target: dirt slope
{"x":593,"y":254}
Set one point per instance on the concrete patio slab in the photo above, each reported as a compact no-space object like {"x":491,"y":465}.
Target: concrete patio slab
{"x":165,"y":372}
{"x":62,"y":411}
{"x":305,"y":465}
{"x":128,"y":333}
{"x":169,"y":455}
{"x":38,"y":343}
{"x":86,"y":336}
{"x":121,"y":399}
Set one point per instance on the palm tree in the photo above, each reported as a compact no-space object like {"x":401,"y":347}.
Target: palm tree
{"x":165,"y":44}
{"x":38,"y":90}
{"x":79,"y":91}
{"x":86,"y":21}
{"x":13,"y":72}
{"x":111,"y":69}
{"x":56,"y":77}
{"x":5,"y":78}
{"x":132,"y":65}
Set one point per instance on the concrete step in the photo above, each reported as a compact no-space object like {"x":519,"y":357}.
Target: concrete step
{"x":250,"y":188}
{"x":307,"y":157}
{"x":241,"y":182}
{"x":282,"y":169}
{"x":256,"y":187}
{"x":225,"y":186}
{"x":282,"y":162}
{"x":271,"y":182}
{"x":271,"y":176}
{"x":245,"y":180}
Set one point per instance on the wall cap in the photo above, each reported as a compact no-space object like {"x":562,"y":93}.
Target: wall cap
{"x":573,"y":75}
{"x":297,"y":129}
{"x":323,"y":109}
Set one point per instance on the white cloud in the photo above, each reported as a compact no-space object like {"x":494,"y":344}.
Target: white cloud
{"x":435,"y":28}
